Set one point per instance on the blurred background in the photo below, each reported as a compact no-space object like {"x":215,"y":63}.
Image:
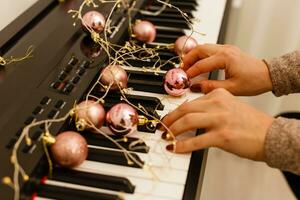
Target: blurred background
{"x":264,"y":29}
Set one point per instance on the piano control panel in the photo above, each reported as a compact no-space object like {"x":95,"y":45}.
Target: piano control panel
{"x":65,"y":66}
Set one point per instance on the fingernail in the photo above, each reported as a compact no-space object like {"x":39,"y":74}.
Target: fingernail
{"x":158,"y":125}
{"x":164,"y":135}
{"x":170,"y":147}
{"x":195,"y":88}
{"x":181,"y":65}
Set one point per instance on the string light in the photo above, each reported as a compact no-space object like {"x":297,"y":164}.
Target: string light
{"x":117,"y":55}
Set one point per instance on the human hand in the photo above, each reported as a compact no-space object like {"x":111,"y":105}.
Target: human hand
{"x":229,"y":124}
{"x":244,"y":74}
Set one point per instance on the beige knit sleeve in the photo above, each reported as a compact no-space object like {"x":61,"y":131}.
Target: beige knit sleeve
{"x":285,"y":73}
{"x":282,"y":145}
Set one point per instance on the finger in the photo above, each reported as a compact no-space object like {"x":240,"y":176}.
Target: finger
{"x":206,"y":86}
{"x":206,"y":65}
{"x":200,"y":52}
{"x":195,"y":143}
{"x":191,"y":121}
{"x":187,"y":107}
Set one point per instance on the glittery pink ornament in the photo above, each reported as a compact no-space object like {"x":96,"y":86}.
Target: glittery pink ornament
{"x":114,"y":74}
{"x":89,"y":48}
{"x":144,"y":31}
{"x":122,"y":119}
{"x":89,"y":113}
{"x":93,"y":20}
{"x":184,"y":44}
{"x":70,"y":149}
{"x":176,"y":82}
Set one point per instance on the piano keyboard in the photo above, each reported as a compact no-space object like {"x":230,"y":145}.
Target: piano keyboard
{"x":106,"y":173}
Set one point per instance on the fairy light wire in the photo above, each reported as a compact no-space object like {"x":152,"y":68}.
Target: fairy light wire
{"x":121,"y":55}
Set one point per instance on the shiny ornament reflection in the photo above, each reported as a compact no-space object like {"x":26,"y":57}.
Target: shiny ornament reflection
{"x":88,"y":114}
{"x":69,"y":150}
{"x":176,"y":82}
{"x":122,"y":119}
{"x":93,"y":20}
{"x":144,"y":31}
{"x":89,"y":48}
{"x":184,"y":44}
{"x":114,"y":74}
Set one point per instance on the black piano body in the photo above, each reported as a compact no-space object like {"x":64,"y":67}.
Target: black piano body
{"x":29,"y":89}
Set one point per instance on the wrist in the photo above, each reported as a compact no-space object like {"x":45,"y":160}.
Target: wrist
{"x":267,"y":76}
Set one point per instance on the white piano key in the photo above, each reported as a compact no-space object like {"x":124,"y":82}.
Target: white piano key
{"x":210,"y":24}
{"x":162,"y":174}
{"x":126,"y":196}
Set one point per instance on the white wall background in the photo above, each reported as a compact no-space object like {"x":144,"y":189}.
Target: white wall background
{"x":267,"y":29}
{"x":10,"y":9}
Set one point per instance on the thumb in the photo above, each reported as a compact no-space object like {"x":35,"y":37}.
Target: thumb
{"x":206,"y":86}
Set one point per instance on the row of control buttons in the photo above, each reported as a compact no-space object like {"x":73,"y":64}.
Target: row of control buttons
{"x":65,"y":84}
{"x":38,"y":133}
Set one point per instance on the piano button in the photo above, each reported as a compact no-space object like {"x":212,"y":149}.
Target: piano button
{"x":19,"y":132}
{"x":80,"y":71}
{"x":29,"y":148}
{"x":112,"y":157}
{"x":52,"y":114}
{"x":38,"y":110}
{"x":68,"y":68}
{"x":85,"y":64}
{"x":99,"y":140}
{"x":114,"y":183}
{"x":60,"y":104}
{"x":29,"y":120}
{"x":62,"y":75}
{"x":11,"y":143}
{"x":68,"y":88}
{"x":42,"y":126}
{"x":75,"y":80}
{"x":55,"y":85}
{"x":62,"y":192}
{"x":45,"y":101}
{"x":73,"y":61}
{"x":36,"y":135}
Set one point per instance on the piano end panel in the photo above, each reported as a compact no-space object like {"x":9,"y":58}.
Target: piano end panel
{"x":196,"y":173}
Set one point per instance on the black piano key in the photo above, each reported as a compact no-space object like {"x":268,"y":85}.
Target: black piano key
{"x":112,"y":157}
{"x":169,"y":10}
{"x":180,"y":4}
{"x":99,"y":140}
{"x":151,"y":63}
{"x":161,"y":38}
{"x":147,"y":82}
{"x":150,"y":103}
{"x":182,"y":24}
{"x":93,"y":180}
{"x":64,"y":193}
{"x":171,"y":33}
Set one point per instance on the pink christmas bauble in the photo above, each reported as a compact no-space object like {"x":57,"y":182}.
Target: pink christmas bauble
{"x":93,"y":20}
{"x":184,"y":44}
{"x":89,"y":48}
{"x":176,"y":82}
{"x":69,"y":150}
{"x":90,"y":113}
{"x":114,"y":74}
{"x":144,"y":31}
{"x":122,"y":119}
